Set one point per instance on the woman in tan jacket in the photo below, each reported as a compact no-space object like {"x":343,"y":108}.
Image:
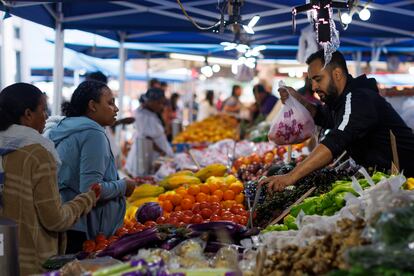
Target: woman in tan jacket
{"x":28,"y":179}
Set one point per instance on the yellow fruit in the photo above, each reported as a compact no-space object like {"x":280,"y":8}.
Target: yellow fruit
{"x":130,"y":212}
{"x":230,"y":179}
{"x":410,"y":184}
{"x":211,"y":170}
{"x":146,"y":190}
{"x":171,"y":183}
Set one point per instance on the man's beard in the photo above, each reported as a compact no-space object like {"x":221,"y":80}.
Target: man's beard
{"x":331,"y":95}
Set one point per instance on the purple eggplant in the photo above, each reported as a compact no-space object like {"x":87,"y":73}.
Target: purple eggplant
{"x":132,"y":242}
{"x":231,"y":227}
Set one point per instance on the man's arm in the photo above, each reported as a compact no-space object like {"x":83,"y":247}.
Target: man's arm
{"x":319,"y":157}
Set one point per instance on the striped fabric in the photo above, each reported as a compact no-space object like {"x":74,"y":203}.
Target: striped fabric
{"x":31,"y":198}
{"x":347,"y":113}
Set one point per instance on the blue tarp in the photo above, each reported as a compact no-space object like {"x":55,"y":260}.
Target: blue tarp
{"x":162,"y":21}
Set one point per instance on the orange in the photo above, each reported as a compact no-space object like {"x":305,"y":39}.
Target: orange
{"x":239,"y":198}
{"x":191,"y":198}
{"x":229,"y":203}
{"x":213,"y":187}
{"x":169,"y":196}
{"x":176,"y":199}
{"x":236,"y":187}
{"x":223,"y":186}
{"x":205,"y":189}
{"x":186,"y":204}
{"x":178,"y":208}
{"x":219,"y":194}
{"x":162,"y":197}
{"x":193,"y":190}
{"x":167,"y":206}
{"x":228,"y":195}
{"x":214,"y":198}
{"x":181,"y":192}
{"x":201,"y":197}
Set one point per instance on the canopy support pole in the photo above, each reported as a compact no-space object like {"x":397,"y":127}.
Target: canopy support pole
{"x":58,"y":63}
{"x":358,"y":58}
{"x":121,"y":80}
{"x":375,"y":56}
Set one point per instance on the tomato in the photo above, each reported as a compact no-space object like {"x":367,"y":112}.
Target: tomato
{"x":100,"y":246}
{"x":204,"y":205}
{"x":121,"y":231}
{"x":196,"y":207}
{"x":206,"y":213}
{"x":236,"y":210}
{"x":181,"y":224}
{"x":112,"y":239}
{"x":215,"y":217}
{"x":243,"y":220}
{"x":188,"y":213}
{"x":186,"y":219}
{"x":238,"y":218}
{"x":89,"y":246}
{"x":177,"y":215}
{"x":100,"y":237}
{"x":197,"y":219}
{"x":215,"y":206}
{"x":150,"y":223}
{"x":172,"y":220}
{"x":161,"y":220}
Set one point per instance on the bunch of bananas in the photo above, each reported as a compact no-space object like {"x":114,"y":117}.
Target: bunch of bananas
{"x":212,"y":129}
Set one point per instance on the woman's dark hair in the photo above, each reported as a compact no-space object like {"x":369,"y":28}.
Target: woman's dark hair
{"x":174,"y":99}
{"x":86,"y":91}
{"x":210,"y":97}
{"x":233,"y":90}
{"x":14,"y":100}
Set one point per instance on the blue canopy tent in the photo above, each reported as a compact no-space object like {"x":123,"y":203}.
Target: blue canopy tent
{"x":160,"y":21}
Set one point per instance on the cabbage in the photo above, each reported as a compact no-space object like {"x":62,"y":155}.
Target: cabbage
{"x":148,"y":211}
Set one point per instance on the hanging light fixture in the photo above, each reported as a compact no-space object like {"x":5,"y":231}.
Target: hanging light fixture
{"x":364,"y":14}
{"x":346,"y":18}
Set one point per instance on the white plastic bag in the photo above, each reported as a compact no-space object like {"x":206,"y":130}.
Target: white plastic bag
{"x":294,"y":124}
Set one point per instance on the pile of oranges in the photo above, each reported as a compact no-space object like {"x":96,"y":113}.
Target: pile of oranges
{"x":216,"y":191}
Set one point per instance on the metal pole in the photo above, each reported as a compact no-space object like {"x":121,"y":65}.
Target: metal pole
{"x":375,"y":56}
{"x":358,"y":59}
{"x":121,"y":80}
{"x":58,"y":63}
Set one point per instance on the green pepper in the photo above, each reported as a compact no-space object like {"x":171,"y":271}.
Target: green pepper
{"x":308,"y":207}
{"x":330,"y":211}
{"x":341,"y":182}
{"x":290,"y":222}
{"x":378,"y":176}
{"x":341,"y":189}
{"x":340,"y":200}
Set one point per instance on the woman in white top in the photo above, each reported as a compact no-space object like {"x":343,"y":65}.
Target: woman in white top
{"x":207,"y":107}
{"x":149,"y":125}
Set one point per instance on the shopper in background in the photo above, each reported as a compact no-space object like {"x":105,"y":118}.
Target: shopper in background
{"x":232,"y":105}
{"x":154,"y":83}
{"x":359,"y":119}
{"x":84,"y":149}
{"x":29,"y":194}
{"x":265,"y":101}
{"x":164,"y":86}
{"x":207,"y":107}
{"x":170,"y":113}
{"x":111,"y":130}
{"x":149,"y":125}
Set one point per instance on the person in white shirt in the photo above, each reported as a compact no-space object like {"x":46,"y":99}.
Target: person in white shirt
{"x":149,"y":125}
{"x":207,"y":107}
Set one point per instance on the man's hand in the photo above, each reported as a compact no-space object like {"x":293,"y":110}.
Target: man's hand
{"x":130,"y":186}
{"x":278,"y":183}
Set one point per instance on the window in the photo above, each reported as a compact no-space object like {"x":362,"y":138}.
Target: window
{"x":18,"y":76}
{"x":17,"y":32}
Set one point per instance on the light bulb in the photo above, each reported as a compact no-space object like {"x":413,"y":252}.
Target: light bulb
{"x":207,"y":71}
{"x":364,"y":14}
{"x":346,"y":18}
{"x":234,"y":68}
{"x":216,"y":68}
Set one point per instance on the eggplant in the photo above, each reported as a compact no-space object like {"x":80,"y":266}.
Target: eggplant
{"x":132,"y":242}
{"x":213,"y":226}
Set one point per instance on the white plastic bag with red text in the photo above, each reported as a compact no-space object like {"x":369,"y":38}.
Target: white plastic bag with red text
{"x":293,"y":125}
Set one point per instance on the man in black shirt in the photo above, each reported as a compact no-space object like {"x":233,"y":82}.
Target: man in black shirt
{"x":359,"y":120}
